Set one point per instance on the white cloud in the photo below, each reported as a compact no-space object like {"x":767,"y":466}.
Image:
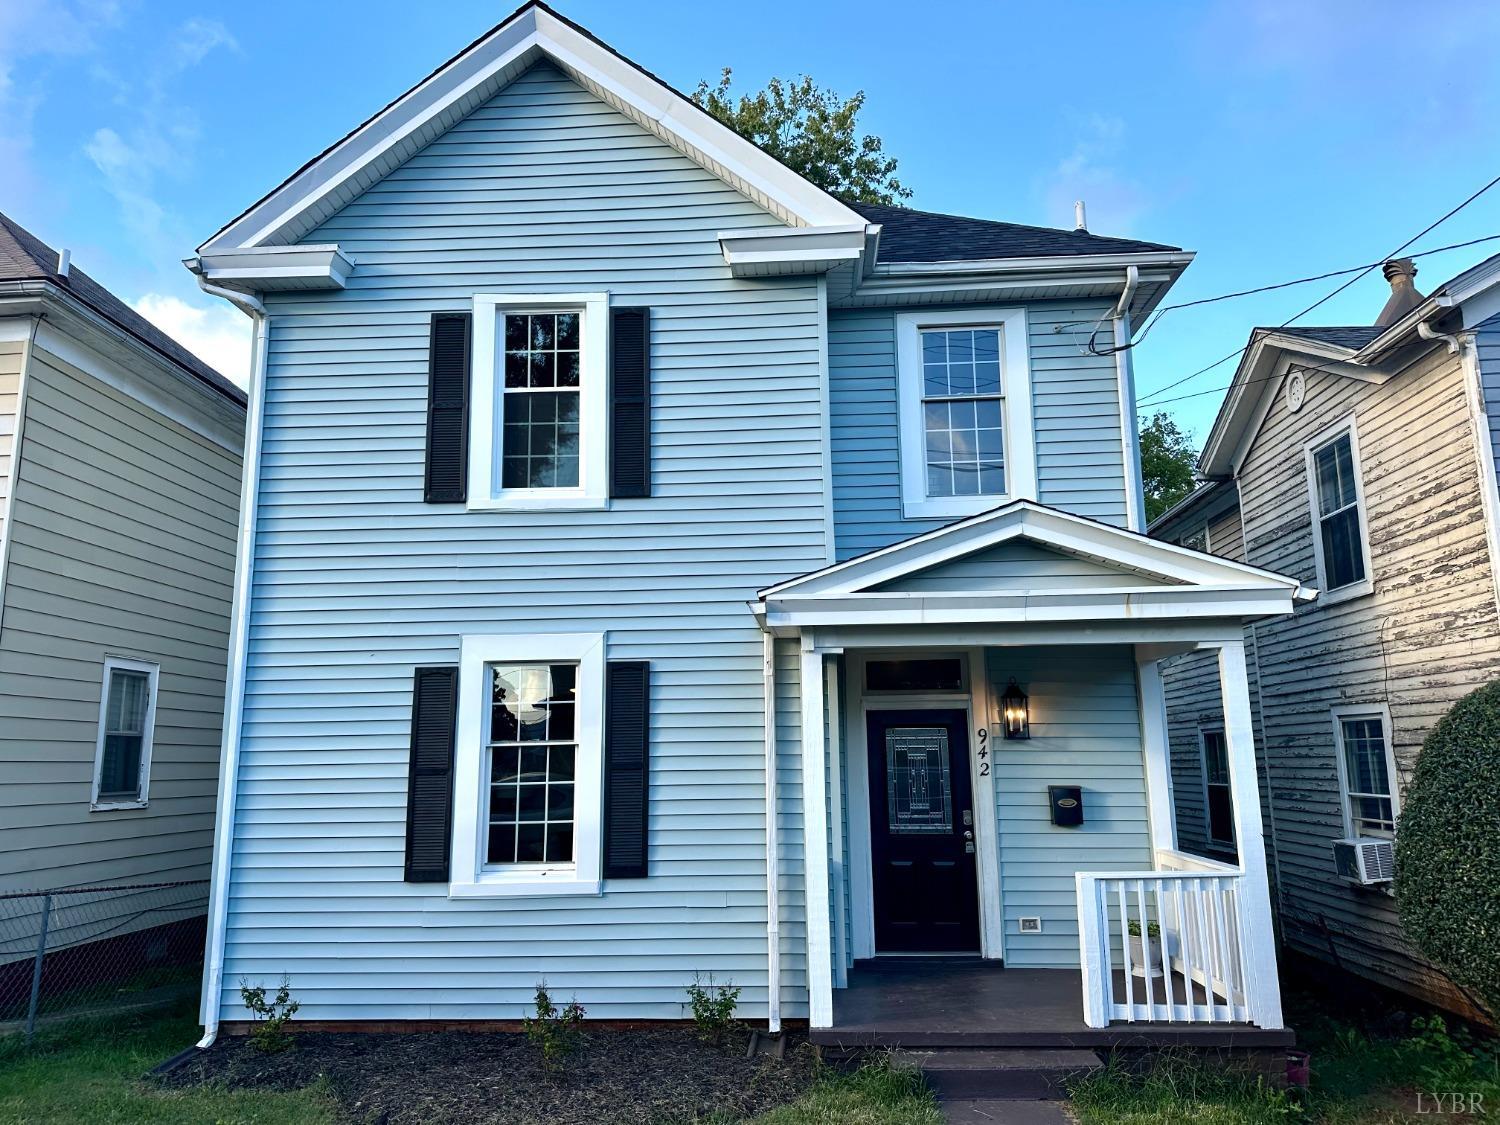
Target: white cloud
{"x":216,"y":334}
{"x":1089,"y":172}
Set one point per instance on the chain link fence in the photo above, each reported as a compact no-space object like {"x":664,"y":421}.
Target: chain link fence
{"x":98,"y":950}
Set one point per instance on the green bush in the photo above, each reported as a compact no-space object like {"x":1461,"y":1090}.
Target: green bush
{"x":1448,"y":847}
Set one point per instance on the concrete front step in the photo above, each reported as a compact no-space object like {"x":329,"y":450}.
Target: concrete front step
{"x":1017,"y":1074}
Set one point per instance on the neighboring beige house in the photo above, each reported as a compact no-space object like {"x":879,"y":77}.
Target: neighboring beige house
{"x":119,"y":490}
{"x":1360,"y":460}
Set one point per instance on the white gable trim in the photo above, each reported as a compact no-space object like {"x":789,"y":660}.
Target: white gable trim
{"x":466,"y":81}
{"x":1049,"y":527}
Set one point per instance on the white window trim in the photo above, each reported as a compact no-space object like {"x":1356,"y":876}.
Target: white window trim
{"x":1361,"y":711}
{"x":1366,"y":584}
{"x":1208,"y":833}
{"x":1015,"y":390}
{"x":471,"y":878}
{"x":153,"y":674}
{"x":487,"y":403}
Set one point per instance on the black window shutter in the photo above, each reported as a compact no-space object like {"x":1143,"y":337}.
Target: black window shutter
{"x":630,"y":402}
{"x":448,"y":409}
{"x":429,"y":791}
{"x":627,"y":767}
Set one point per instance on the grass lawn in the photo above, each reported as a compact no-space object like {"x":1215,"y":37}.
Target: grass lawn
{"x":90,"y":1072}
{"x":1357,"y":1079}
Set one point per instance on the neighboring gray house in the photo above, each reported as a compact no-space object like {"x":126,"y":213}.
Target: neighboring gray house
{"x":1361,"y":460}
{"x":654,"y":565}
{"x":119,"y":486}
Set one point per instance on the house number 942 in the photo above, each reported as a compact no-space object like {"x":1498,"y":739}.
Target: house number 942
{"x":982,"y":735}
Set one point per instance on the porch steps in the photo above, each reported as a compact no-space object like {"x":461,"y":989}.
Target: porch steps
{"x":1002,"y":1111}
{"x":1014,"y":1074}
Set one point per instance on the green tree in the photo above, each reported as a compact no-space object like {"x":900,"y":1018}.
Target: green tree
{"x":1167,"y":460}
{"x":812,"y":131}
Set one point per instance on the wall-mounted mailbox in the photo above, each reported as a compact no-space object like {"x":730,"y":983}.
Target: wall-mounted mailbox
{"x":1066,"y":802}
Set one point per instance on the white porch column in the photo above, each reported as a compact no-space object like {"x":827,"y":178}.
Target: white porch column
{"x":1158,"y":755}
{"x":815,"y":843}
{"x":1263,"y":989}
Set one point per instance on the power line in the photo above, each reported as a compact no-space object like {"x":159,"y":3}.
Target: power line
{"x":1321,"y":301}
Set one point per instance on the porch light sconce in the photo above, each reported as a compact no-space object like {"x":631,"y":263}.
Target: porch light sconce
{"x":1015,"y":712}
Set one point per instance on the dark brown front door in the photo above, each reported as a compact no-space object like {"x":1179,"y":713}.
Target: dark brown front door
{"x":922,"y":833}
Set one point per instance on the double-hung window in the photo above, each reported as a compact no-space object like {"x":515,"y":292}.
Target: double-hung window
{"x":1367,"y":771}
{"x":965,"y":406}
{"x":528,"y":766}
{"x":127,"y":716}
{"x":539,"y":435}
{"x":1339,"y":539}
{"x":1218,"y":802}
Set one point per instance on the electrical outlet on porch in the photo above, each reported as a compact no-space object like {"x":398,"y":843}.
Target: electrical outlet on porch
{"x":1030,"y":925}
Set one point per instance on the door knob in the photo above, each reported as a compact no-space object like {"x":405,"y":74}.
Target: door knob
{"x":968,"y":835}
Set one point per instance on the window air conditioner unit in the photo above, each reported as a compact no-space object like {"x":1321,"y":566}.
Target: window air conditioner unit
{"x":1365,"y":861}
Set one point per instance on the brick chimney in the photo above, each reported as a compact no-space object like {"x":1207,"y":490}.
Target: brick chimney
{"x":1400,"y":272}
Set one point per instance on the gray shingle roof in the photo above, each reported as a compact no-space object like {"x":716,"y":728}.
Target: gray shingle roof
{"x":1355,"y":336}
{"x":25,"y":257}
{"x":926,"y":236}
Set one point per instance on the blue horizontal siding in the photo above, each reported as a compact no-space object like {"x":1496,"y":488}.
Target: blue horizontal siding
{"x":357,"y":581}
{"x":1075,"y":405}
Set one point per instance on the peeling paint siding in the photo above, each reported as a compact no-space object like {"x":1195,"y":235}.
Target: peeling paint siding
{"x":1425,"y":637}
{"x":357,"y":581}
{"x":122,"y":543}
{"x":1075,"y":404}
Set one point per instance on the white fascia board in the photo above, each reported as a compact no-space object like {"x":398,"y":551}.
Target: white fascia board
{"x":788,"y":250}
{"x":1176,"y":261}
{"x":1047,"y":526}
{"x":502,"y":54}
{"x":1144,"y":604}
{"x":259,"y":268}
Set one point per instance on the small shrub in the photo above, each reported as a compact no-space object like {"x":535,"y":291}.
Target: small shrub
{"x":271,"y":1016}
{"x":1448,"y":847}
{"x":554,"y":1031}
{"x":713,"y":1007}
{"x":1152,"y":928}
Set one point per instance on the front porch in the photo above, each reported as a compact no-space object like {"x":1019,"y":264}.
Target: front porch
{"x":933,"y":832}
{"x":972,"y":1003}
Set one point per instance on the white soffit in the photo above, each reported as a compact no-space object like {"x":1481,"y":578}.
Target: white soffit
{"x":392,"y":136}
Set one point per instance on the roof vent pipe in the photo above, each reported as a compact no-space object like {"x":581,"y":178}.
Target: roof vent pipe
{"x":1080,"y":217}
{"x":64,"y":262}
{"x":1400,"y":272}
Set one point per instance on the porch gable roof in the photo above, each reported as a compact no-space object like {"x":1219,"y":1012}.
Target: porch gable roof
{"x":1126,"y":576}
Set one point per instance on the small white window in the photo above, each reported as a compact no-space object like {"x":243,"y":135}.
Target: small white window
{"x":966,"y":429}
{"x":539,"y":438}
{"x":127,"y":716}
{"x":1196,"y":540}
{"x":1367,"y":771}
{"x":1218,"y":801}
{"x":1336,"y":494}
{"x":528,"y":771}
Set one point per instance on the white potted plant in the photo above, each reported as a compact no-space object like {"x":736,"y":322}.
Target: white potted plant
{"x":1138,"y":964}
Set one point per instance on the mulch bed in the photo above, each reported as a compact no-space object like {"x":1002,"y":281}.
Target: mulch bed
{"x":650,"y":1075}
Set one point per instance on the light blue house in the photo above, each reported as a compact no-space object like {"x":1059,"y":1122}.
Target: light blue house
{"x":610,"y":485}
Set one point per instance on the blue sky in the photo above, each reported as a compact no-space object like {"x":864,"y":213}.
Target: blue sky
{"x":1276,"y":138}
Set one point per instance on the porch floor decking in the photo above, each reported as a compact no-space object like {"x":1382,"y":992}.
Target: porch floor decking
{"x":943,"y":1003}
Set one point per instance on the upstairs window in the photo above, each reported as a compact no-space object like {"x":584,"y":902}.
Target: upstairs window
{"x":1339,"y":539}
{"x":965,"y":406}
{"x":539,"y":437}
{"x":1218,"y":803}
{"x":1367,"y":772}
{"x":127,"y":714}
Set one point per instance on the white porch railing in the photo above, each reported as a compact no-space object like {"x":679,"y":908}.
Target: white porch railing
{"x":1165,"y":945}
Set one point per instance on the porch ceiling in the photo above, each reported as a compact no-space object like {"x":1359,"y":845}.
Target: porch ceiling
{"x":1025,"y":563}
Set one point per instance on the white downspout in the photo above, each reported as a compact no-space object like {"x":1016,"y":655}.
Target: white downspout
{"x":1130,"y":435}
{"x":234,"y":688}
{"x":773,"y":848}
